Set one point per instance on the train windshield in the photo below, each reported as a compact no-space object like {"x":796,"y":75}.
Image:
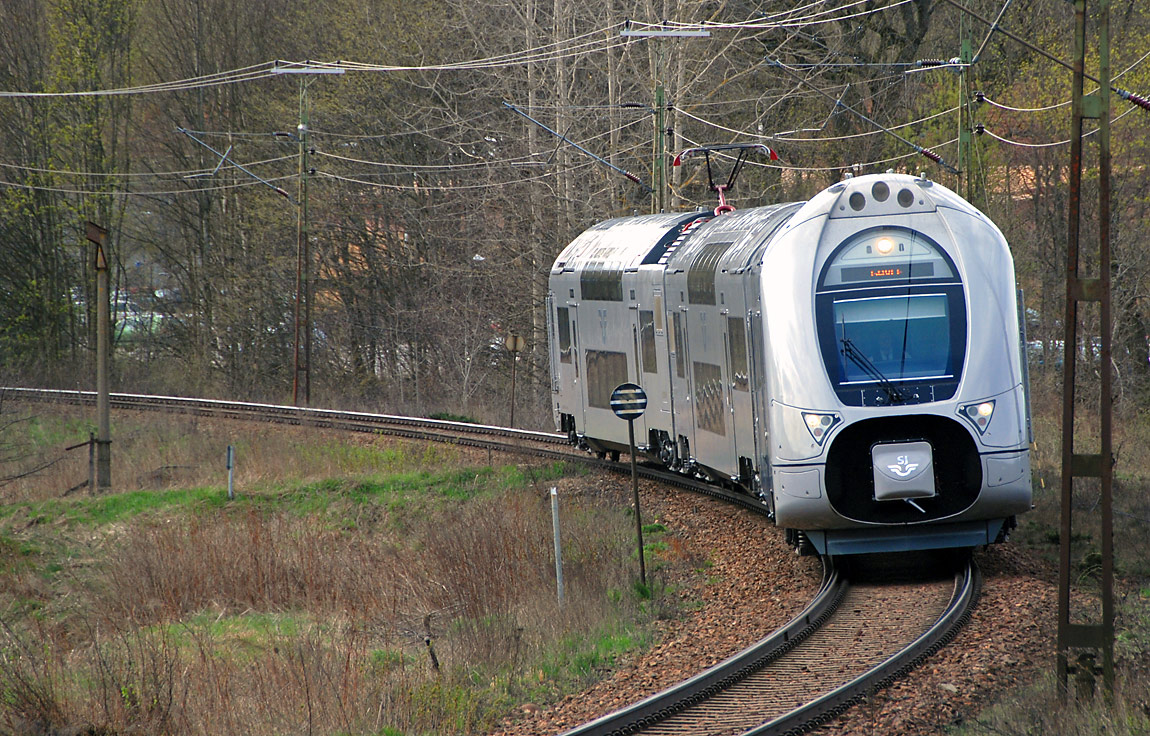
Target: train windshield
{"x":893,"y":338}
{"x":891,"y":316}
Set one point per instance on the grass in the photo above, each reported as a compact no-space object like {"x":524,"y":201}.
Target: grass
{"x":361,"y":586}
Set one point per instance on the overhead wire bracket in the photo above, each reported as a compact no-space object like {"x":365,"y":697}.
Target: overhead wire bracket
{"x":565,"y":139}
{"x":225,"y":156}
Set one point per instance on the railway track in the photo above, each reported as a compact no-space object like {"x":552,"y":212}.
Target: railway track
{"x":864,"y":629}
{"x":411,"y":427}
{"x":549,"y":445}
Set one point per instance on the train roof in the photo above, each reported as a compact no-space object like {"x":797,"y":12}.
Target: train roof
{"x":885,"y":194}
{"x":736,"y":240}
{"x":622,"y":243}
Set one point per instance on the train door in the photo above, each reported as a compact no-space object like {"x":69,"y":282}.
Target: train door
{"x":655,"y":357}
{"x":739,"y":394}
{"x":680,"y":369}
{"x":759,"y":403}
{"x":567,"y":337}
{"x":638,"y":317}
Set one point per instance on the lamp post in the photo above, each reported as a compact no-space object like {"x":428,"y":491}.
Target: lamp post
{"x":303,"y":254}
{"x":660,"y":153}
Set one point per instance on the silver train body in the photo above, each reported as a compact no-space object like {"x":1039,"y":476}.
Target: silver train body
{"x":856,"y":360}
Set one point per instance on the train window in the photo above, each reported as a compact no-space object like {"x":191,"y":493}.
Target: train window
{"x":606,"y":369}
{"x":891,"y":316}
{"x":601,"y":285}
{"x":709,"y":414}
{"x":678,"y":345}
{"x":701,"y":275}
{"x":563,"y":323}
{"x":647,"y":340}
{"x":901,"y":337}
{"x":737,"y":332}
{"x":658,"y":313}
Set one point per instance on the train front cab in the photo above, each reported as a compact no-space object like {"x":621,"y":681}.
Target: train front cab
{"x":926,"y":447}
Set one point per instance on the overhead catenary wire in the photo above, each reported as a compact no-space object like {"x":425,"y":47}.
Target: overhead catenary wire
{"x":790,"y":139}
{"x":577,"y":45}
{"x":135,"y":174}
{"x":982,"y":129}
{"x":549,"y":52}
{"x":1125,"y":94}
{"x":983,"y":98}
{"x":783,"y":165}
{"x":419,"y":186}
{"x":528,"y":158}
{"x":809,"y":20}
{"x":920,"y":149}
{"x":141,"y":192}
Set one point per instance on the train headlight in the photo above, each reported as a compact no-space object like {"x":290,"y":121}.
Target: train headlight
{"x":819,"y":425}
{"x":979,"y":414}
{"x":884,"y":246}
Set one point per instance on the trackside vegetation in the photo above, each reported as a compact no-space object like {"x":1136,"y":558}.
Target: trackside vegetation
{"x":393,"y":588}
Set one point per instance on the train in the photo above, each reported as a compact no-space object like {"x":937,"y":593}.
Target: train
{"x":856,"y":361}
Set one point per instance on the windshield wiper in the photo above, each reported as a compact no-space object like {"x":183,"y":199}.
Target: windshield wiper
{"x":858,"y":358}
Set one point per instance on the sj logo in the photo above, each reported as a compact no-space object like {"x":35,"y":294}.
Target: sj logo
{"x":903,"y":466}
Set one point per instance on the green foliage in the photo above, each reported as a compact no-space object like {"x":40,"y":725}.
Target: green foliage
{"x":578,"y":658}
{"x":449,"y":417}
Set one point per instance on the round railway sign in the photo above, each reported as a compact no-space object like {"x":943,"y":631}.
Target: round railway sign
{"x":628,"y":401}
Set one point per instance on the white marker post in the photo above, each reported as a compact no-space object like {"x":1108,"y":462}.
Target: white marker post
{"x":558,"y":549}
{"x":231,"y":465}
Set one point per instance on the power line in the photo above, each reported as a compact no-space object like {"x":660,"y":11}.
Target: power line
{"x":1127,"y":95}
{"x":802,"y":21}
{"x":138,"y":193}
{"x":923,"y":151}
{"x":982,"y":129}
{"x":134,"y":174}
{"x":828,"y":139}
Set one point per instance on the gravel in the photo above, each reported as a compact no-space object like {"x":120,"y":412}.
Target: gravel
{"x":738,"y":581}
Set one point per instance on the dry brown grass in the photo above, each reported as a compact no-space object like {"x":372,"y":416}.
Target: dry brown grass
{"x":337,"y":607}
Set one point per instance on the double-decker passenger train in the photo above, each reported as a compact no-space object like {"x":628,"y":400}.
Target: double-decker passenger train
{"x":856,"y":360}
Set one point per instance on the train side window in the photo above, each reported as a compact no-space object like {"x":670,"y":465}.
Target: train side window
{"x":601,"y":284}
{"x":680,"y":348}
{"x":709,"y":404}
{"x":647,"y":340}
{"x":563,"y":322}
{"x":606,"y":369}
{"x":701,"y":275}
{"x":740,"y":374}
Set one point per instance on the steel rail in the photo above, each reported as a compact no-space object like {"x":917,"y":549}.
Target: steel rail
{"x":432,"y":430}
{"x":705,"y":684}
{"x":806,"y":718}
{"x":294,"y":414}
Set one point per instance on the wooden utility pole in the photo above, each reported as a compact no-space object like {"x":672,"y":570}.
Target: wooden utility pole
{"x":98,"y":236}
